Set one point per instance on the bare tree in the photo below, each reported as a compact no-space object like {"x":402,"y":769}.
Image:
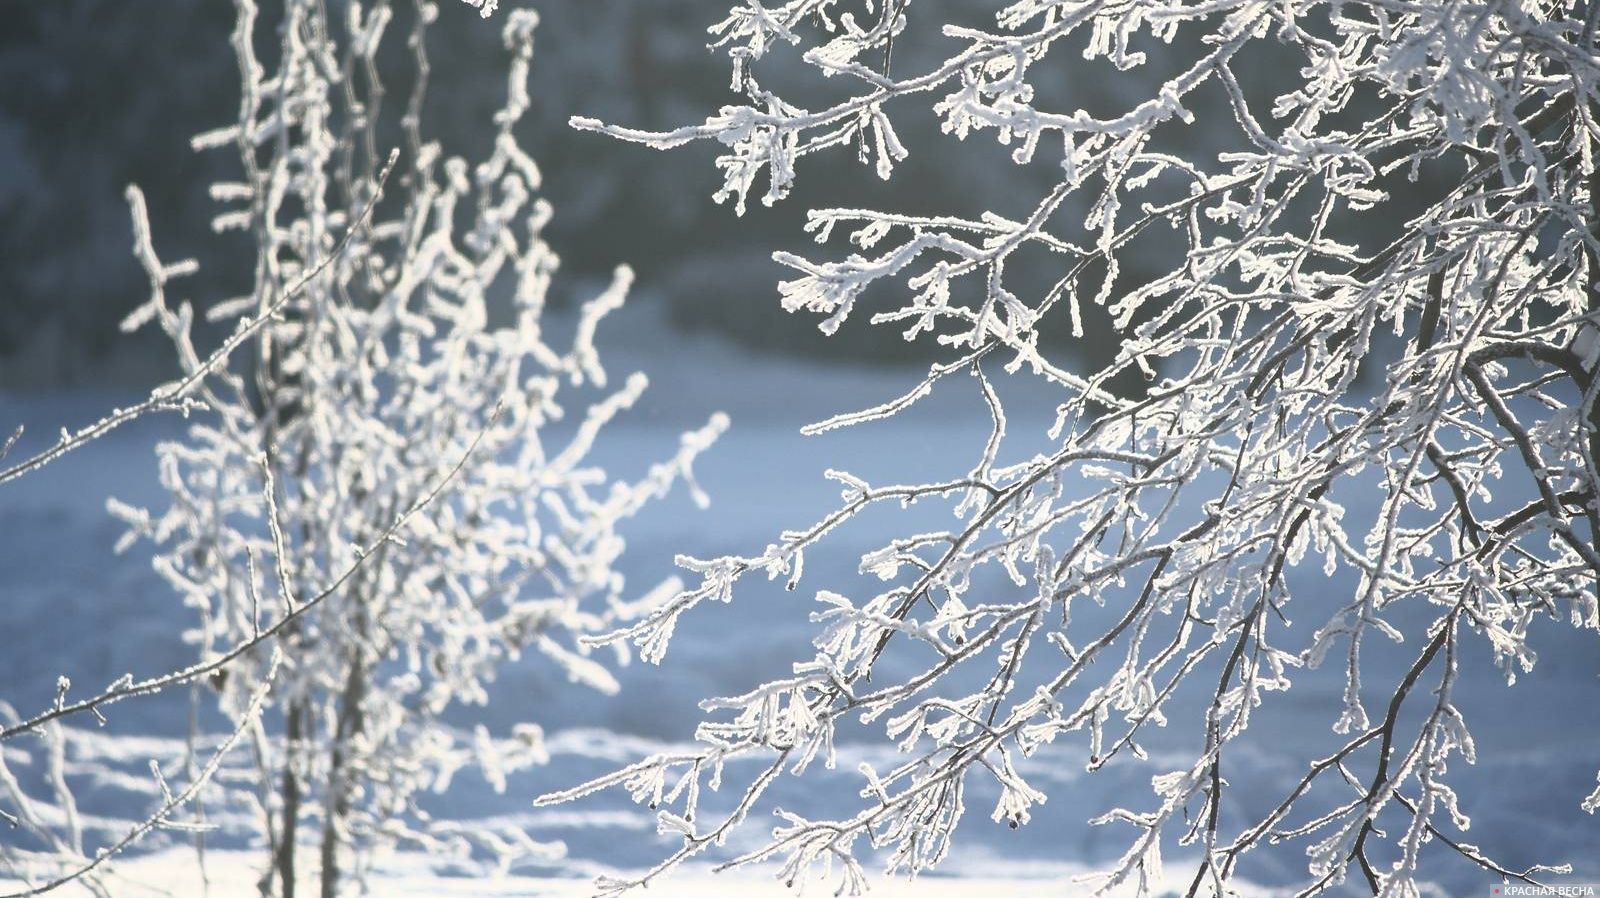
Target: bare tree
{"x":379,"y":505}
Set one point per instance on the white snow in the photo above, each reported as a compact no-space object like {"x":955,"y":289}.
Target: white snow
{"x":90,"y":615}
{"x":232,"y":874}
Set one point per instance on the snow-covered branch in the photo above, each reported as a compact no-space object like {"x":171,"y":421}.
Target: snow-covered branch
{"x":1314,"y":338}
{"x":377,"y":501}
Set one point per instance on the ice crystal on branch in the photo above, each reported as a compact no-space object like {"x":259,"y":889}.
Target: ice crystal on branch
{"x":1319,"y":332}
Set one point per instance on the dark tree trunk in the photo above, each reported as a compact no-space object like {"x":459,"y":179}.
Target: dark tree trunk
{"x":291,"y":801}
{"x":338,"y":803}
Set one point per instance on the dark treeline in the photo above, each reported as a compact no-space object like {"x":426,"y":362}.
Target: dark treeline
{"x":101,"y":93}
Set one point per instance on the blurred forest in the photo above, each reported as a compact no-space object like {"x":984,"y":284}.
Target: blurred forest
{"x":101,"y":93}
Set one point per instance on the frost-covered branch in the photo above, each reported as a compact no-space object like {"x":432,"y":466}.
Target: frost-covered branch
{"x":1361,"y":332}
{"x":377,"y":502}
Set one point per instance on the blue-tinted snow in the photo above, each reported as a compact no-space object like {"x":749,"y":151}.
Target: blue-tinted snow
{"x":68,"y":606}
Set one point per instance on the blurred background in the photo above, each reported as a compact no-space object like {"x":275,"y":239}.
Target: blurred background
{"x":102,"y":93}
{"x":99,"y":94}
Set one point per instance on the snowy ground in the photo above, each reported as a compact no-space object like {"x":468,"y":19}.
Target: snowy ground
{"x":68,"y":607}
{"x":231,"y":874}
